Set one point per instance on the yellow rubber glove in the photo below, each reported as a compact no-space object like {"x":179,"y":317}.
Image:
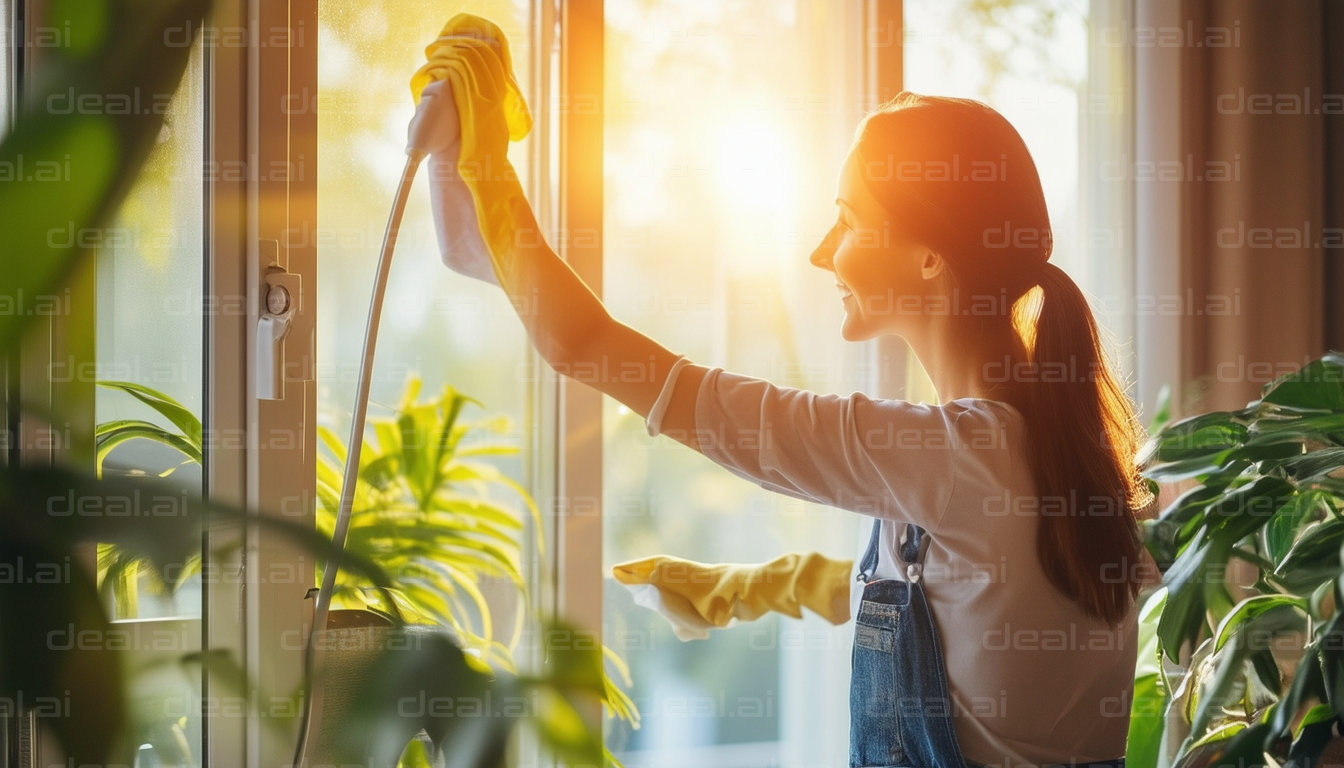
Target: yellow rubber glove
{"x":696,"y":597}
{"x":472,"y":56}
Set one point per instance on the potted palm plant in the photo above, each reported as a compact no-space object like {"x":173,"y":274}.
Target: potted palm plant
{"x":423,"y":511}
{"x":1242,"y":660}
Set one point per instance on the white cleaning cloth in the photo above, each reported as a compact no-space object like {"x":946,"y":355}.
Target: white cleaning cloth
{"x":455,"y":219}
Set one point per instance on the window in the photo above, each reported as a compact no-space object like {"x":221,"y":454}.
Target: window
{"x":439,"y":328}
{"x":443,"y":327}
{"x":726,"y":128}
{"x":150,"y":335}
{"x":149,"y":312}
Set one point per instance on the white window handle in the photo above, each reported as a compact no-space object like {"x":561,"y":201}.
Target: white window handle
{"x":282,"y":293}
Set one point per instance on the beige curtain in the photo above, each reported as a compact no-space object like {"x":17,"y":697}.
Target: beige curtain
{"x":1260,"y":89}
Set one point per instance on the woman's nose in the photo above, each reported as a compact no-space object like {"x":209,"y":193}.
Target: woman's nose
{"x":821,"y":257}
{"x":824,"y":253}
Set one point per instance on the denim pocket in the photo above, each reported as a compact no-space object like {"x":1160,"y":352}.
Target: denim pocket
{"x":875,"y":726}
{"x":874,"y":638}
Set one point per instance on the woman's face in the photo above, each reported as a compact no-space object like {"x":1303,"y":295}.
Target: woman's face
{"x":874,"y":264}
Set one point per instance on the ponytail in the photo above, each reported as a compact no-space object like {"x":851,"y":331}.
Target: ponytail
{"x":994,"y":230}
{"x":1083,"y":439}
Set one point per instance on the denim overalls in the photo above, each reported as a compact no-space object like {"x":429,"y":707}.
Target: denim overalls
{"x":899,"y":706}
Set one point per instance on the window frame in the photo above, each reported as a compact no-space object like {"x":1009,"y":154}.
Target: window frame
{"x":278,"y":463}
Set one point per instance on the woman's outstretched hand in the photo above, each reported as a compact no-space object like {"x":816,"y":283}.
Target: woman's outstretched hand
{"x":475,"y":190}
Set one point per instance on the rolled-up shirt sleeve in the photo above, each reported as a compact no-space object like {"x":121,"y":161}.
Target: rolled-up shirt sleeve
{"x":882,"y":458}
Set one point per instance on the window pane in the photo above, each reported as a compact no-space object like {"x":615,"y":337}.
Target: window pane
{"x":438,"y":327}
{"x":727,"y":126}
{"x":150,"y":333}
{"x":150,"y":326}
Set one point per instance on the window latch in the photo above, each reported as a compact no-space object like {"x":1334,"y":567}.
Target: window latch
{"x":281,"y":300}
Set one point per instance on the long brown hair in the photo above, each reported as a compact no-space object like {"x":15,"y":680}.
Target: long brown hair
{"x":956,"y":176}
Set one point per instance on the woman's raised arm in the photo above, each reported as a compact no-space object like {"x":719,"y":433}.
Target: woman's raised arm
{"x":579,"y":338}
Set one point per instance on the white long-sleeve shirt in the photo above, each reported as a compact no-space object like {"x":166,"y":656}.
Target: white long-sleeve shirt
{"x":1033,"y":680}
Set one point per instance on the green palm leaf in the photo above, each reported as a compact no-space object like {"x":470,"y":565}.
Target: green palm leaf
{"x":170,"y":409}
{"x":109,"y":435}
{"x":423,"y":510}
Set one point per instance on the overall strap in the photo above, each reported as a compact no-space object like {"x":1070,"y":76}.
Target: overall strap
{"x":913,"y":545}
{"x":869,"y":562}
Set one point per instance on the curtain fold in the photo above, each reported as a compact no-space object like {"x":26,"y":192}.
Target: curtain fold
{"x":1258,"y":117}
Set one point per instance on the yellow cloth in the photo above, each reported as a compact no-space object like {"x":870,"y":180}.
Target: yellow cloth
{"x":472,"y":54}
{"x":696,"y":597}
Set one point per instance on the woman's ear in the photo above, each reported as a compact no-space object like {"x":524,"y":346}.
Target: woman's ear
{"x":931,"y":265}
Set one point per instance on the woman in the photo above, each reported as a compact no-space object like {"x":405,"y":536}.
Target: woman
{"x":995,"y":605}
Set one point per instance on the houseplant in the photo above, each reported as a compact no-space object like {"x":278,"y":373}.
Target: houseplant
{"x":1246,"y":635}
{"x":423,"y":511}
